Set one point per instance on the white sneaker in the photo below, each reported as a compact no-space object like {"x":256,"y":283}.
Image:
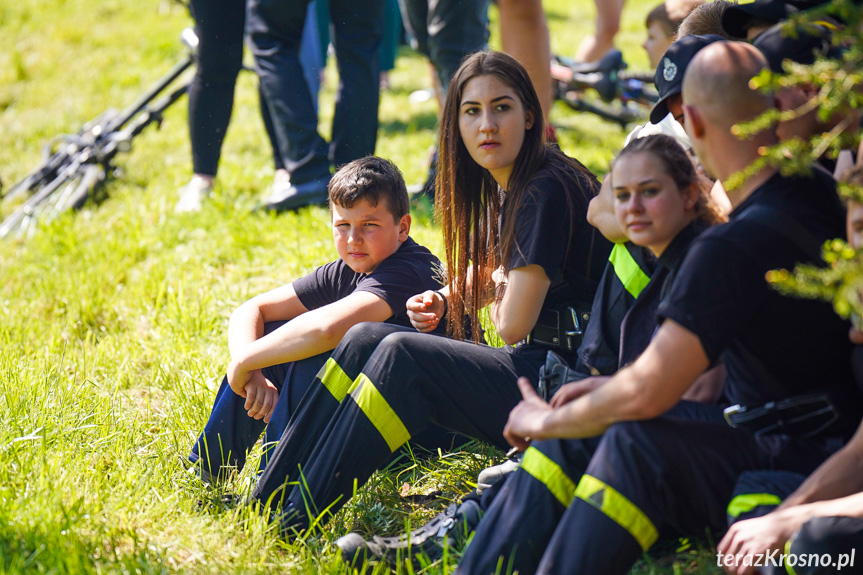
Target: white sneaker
{"x":193,"y":194}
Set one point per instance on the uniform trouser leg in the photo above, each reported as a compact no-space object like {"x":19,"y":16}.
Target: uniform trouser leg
{"x":523,"y":517}
{"x":299,"y":377}
{"x":525,"y":511}
{"x":757,"y":493}
{"x":357,"y":27}
{"x":230,"y":432}
{"x":274,"y":33}
{"x":667,"y":472}
{"x":833,"y":539}
{"x":329,"y":387}
{"x":219,"y":25}
{"x":409,"y":380}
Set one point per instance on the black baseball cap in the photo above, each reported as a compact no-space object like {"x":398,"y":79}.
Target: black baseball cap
{"x":808,"y":44}
{"x":736,"y":19}
{"x":669,"y":74}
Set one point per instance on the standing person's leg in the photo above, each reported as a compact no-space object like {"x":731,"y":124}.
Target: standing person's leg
{"x":456,"y":28}
{"x":312,"y":64}
{"x":608,"y":14}
{"x":410,"y":380}
{"x":274,"y":33}
{"x":524,"y":36}
{"x":357,"y":27}
{"x":219,"y":27}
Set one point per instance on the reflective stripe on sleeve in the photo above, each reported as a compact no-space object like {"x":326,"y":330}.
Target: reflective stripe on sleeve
{"x":627,"y":271}
{"x":748,"y":501}
{"x":618,"y":508}
{"x":549,"y":473}
{"x":335,"y":379}
{"x":379,"y":412}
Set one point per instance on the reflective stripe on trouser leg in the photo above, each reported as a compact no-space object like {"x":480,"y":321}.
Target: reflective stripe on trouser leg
{"x":746,"y":502}
{"x":549,"y":473}
{"x":379,"y":412}
{"x":334,"y":378}
{"x":759,"y":492}
{"x":627,"y":271}
{"x":526,"y":511}
{"x":317,"y":407}
{"x":618,"y":508}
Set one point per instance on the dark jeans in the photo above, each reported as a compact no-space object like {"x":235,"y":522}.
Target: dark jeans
{"x":275,"y":32}
{"x":446,"y":31}
{"x":230,"y":432}
{"x":220,"y":26}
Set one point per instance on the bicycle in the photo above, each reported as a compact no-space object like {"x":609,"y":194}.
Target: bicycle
{"x":76,"y":165}
{"x":603,"y":88}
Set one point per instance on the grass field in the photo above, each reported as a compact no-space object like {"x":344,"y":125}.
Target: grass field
{"x":113,"y":320}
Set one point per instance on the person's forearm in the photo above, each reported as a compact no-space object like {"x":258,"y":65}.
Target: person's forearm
{"x":839,"y":476}
{"x":300,"y":338}
{"x":849,"y":506}
{"x":245,"y":326}
{"x":600,"y":214}
{"x":622,"y":398}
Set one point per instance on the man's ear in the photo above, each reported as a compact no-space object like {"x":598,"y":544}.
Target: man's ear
{"x":404,"y":227}
{"x":693,"y":122}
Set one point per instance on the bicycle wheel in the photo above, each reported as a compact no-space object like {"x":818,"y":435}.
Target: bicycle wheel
{"x":75,"y":193}
{"x":22,"y":220}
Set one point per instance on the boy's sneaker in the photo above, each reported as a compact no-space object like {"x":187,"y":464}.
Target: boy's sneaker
{"x":193,"y":194}
{"x":447,"y":529}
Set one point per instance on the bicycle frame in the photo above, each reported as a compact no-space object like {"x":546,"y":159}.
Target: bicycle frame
{"x":575,"y":84}
{"x":78,"y":156}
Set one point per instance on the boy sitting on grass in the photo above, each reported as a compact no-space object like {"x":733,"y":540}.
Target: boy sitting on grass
{"x":281,"y":339}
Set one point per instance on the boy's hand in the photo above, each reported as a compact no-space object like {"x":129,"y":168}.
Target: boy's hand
{"x":426,"y":310}
{"x":261,"y":397}
{"x":238,"y":377}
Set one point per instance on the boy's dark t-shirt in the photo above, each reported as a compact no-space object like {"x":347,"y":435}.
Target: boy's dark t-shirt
{"x":411,"y":270}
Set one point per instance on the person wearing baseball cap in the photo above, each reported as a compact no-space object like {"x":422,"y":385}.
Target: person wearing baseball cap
{"x":749,"y":19}
{"x":665,"y":118}
{"x":669,"y":75}
{"x":805,"y":46}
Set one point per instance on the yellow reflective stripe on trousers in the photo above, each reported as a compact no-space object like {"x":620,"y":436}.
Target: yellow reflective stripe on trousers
{"x":618,"y":508}
{"x":379,"y":412}
{"x":788,"y":568}
{"x":549,"y":473}
{"x":749,"y":501}
{"x":627,"y":271}
{"x":335,"y":379}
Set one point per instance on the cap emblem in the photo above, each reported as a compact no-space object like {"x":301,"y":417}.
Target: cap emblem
{"x":669,"y":69}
